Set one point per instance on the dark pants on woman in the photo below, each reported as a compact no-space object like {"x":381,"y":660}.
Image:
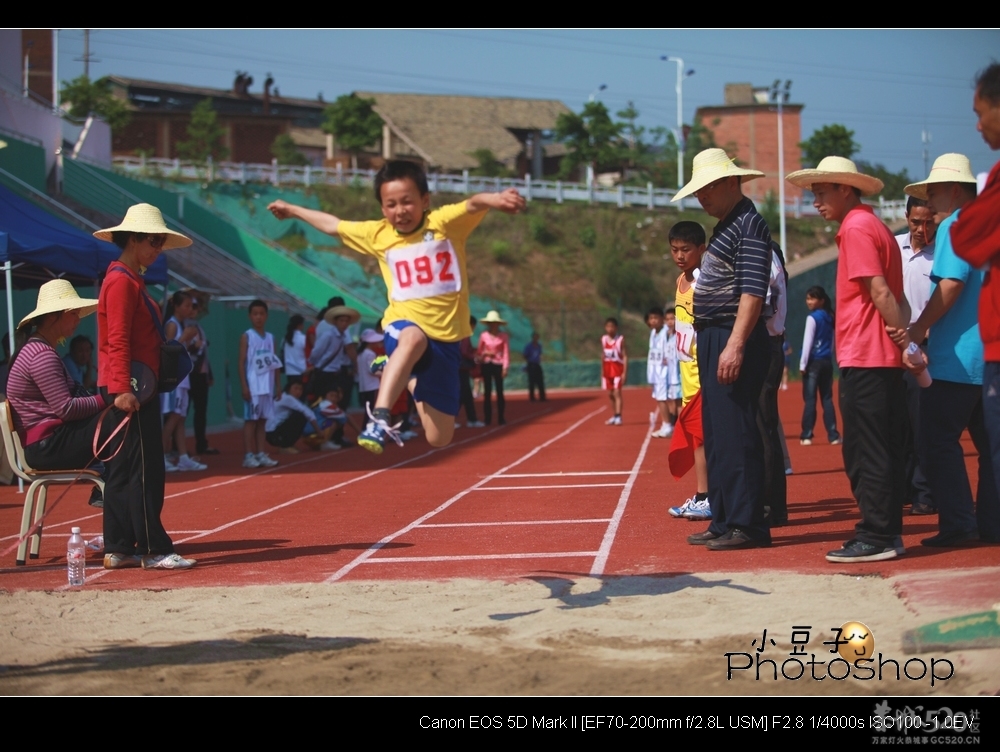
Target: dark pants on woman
{"x":493,"y":372}
{"x":70,"y":447}
{"x":133,"y":496}
{"x":818,"y":378}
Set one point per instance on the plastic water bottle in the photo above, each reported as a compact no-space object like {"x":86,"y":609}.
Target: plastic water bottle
{"x":917,"y":356}
{"x":76,"y":559}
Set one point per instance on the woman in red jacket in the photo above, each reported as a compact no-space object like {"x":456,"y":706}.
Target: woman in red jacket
{"x":128,"y":331}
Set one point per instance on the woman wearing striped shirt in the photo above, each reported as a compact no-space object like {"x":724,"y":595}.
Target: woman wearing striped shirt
{"x":54,"y":417}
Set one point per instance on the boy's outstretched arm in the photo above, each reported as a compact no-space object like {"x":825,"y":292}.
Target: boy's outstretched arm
{"x":320,"y":220}
{"x":508,"y":201}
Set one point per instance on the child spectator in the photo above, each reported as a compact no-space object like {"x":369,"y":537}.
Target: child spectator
{"x":687,"y":449}
{"x":422,"y":257}
{"x":174,"y":405}
{"x":466,"y":370}
{"x":656,"y":371}
{"x":79,"y":362}
{"x":614,"y":362}
{"x":294,"y":349}
{"x":368,"y":383}
{"x":816,"y":365}
{"x":285,"y":427}
{"x":258,"y":367}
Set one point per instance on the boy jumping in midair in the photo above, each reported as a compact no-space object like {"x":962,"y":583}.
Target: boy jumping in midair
{"x":421,"y":254}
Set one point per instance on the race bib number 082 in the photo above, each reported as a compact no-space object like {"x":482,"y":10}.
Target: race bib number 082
{"x":424,"y":270}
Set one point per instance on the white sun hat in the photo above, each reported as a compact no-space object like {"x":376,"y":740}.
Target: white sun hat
{"x":492,"y":318}
{"x":839,"y":170}
{"x":948,"y":168}
{"x":148,"y":219}
{"x":711,"y":165}
{"x":59,"y":295}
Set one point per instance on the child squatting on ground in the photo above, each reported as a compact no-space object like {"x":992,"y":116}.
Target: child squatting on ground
{"x":421,"y":254}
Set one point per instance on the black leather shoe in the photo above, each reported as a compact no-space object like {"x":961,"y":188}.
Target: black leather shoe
{"x":735,"y":540}
{"x":701,"y":539}
{"x":921,"y":508}
{"x":949,"y":540}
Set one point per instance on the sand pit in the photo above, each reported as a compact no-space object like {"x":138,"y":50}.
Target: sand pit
{"x":542,"y":635}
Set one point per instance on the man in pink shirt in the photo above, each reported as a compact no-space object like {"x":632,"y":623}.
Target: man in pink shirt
{"x":872,"y":395}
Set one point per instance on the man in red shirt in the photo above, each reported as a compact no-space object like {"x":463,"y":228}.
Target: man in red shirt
{"x":872,"y":395}
{"x":975,"y":236}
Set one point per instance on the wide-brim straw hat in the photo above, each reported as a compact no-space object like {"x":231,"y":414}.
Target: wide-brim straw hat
{"x":711,"y":165}
{"x":59,"y":295}
{"x":492,"y":318}
{"x":948,"y":168}
{"x":338,"y":311}
{"x":148,"y":219}
{"x":838,"y":170}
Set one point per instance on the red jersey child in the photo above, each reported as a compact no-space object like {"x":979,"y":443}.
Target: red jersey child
{"x":614,"y":363}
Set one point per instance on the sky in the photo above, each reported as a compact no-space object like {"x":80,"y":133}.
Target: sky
{"x":886,"y":86}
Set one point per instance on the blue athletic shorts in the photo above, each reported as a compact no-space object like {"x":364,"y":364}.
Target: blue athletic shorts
{"x":436,"y":371}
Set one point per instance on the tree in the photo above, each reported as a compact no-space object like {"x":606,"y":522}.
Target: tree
{"x":489,"y":165}
{"x":591,"y":137}
{"x":285,"y":151}
{"x":829,"y":141}
{"x":634,"y":148}
{"x":205,"y":136}
{"x":354,"y":124}
{"x":894,"y":182}
{"x":88,"y":97}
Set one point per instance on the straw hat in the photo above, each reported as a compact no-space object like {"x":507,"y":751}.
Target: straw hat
{"x":838,"y":170}
{"x":146,"y":218}
{"x":948,"y":168}
{"x":711,"y":165}
{"x":492,"y":318}
{"x":59,"y":295}
{"x":338,"y":311}
{"x":371,"y":336}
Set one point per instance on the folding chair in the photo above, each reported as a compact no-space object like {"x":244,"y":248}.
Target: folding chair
{"x":39,"y":480}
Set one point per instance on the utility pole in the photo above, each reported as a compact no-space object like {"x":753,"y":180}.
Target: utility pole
{"x":679,"y":88}
{"x":925,"y":137}
{"x":781,"y":97}
{"x":87,"y":58}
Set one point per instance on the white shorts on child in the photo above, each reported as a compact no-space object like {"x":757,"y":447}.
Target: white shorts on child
{"x":261,"y":407}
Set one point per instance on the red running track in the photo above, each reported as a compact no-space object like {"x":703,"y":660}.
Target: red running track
{"x":554,"y":492}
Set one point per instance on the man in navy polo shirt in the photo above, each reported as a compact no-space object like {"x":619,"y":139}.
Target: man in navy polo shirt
{"x":733,"y":352}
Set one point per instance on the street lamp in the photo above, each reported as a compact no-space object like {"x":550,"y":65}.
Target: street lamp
{"x":595,"y":92}
{"x":681,"y":75}
{"x":780,"y":96}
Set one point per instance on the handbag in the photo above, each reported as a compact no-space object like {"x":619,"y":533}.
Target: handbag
{"x":175,"y":360}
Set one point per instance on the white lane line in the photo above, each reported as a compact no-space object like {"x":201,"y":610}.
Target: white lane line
{"x":513,"y":522}
{"x":557,"y":485}
{"x":564,"y":475}
{"x":365,"y":555}
{"x":609,"y":535}
{"x":50,"y":526}
{"x":103,"y":572}
{"x":482,"y":557}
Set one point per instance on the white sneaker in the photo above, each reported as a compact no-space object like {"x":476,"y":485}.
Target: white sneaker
{"x":167,"y":561}
{"x":679,"y":511}
{"x":186,"y":464}
{"x":699,"y":510}
{"x":329,"y":446}
{"x":264,"y":461}
{"x":618,"y":420}
{"x":610,"y":421}
{"x":408,"y":435}
{"x":665,"y":432}
{"x":250,"y":460}
{"x":169,"y":466}
{"x":475,"y":424}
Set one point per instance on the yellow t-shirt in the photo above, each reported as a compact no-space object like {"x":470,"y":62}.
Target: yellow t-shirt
{"x":687,"y":349}
{"x":424,"y":271}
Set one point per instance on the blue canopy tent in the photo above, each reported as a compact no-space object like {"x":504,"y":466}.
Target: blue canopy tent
{"x":36,"y":246}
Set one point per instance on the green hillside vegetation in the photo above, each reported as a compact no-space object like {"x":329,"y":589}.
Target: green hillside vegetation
{"x":569,"y":266}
